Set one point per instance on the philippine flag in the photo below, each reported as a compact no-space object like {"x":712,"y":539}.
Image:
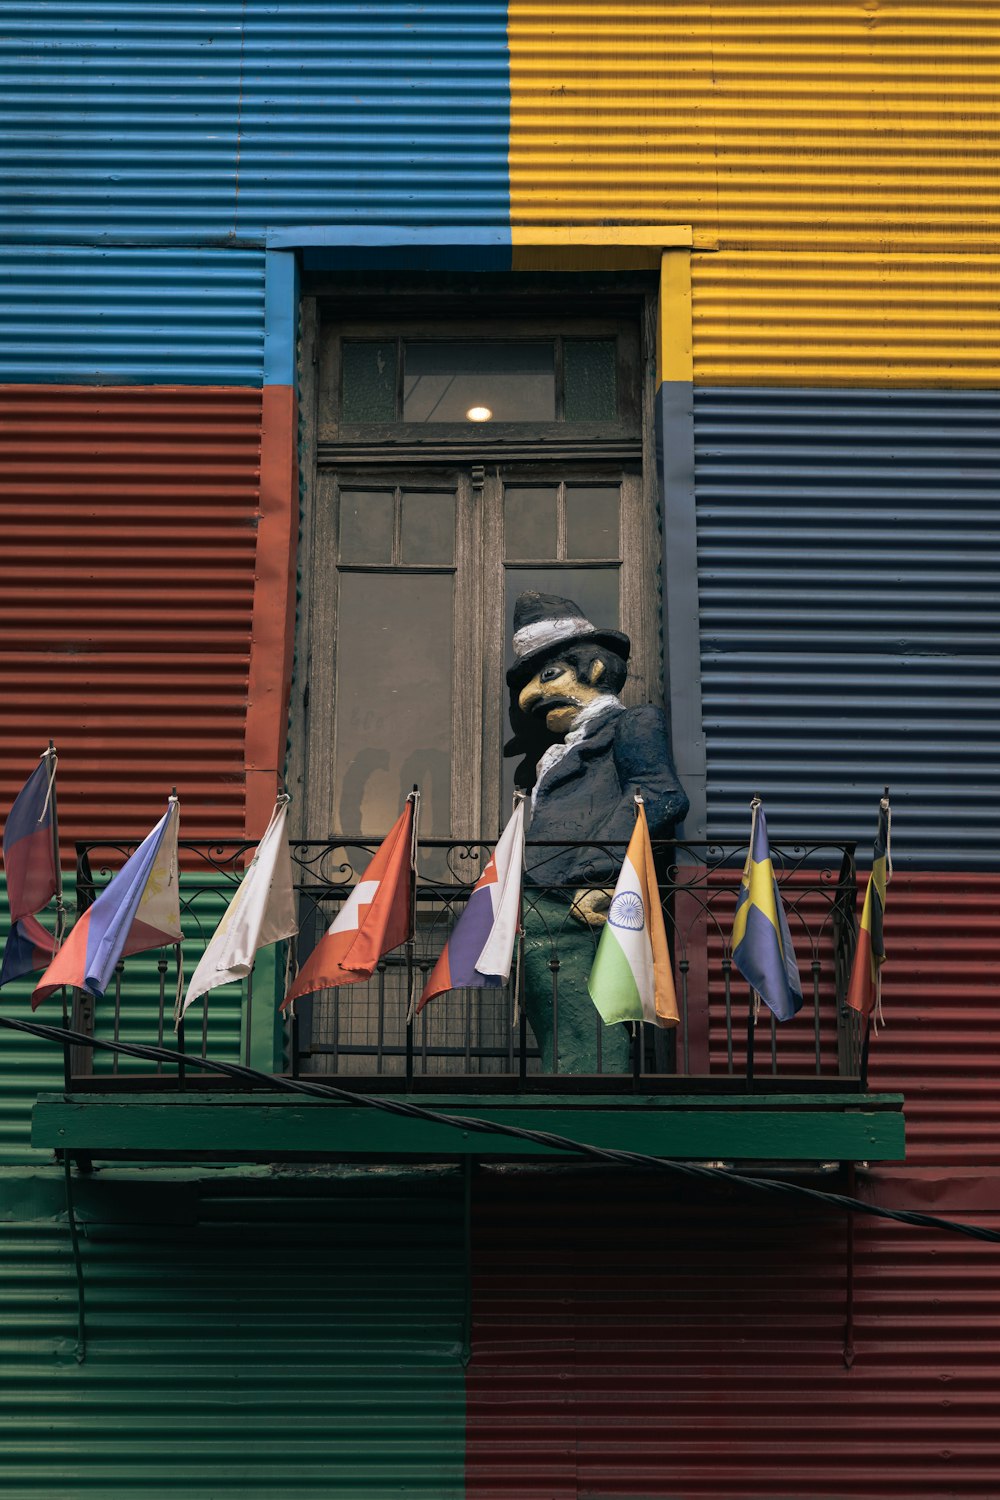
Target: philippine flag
{"x":29,"y":859}
{"x":480,"y":950}
{"x":140,"y":909}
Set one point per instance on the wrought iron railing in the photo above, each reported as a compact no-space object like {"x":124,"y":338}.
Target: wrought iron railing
{"x":480,"y":1039}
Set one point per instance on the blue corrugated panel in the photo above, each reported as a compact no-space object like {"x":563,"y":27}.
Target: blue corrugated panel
{"x":393,"y":113}
{"x":131,"y":316}
{"x":849,"y":589}
{"x":119,"y":119}
{"x":176,"y":123}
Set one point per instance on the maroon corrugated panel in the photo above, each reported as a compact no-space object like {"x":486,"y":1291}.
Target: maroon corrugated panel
{"x":941,"y":996}
{"x":674,"y":1342}
{"x":127,"y":539}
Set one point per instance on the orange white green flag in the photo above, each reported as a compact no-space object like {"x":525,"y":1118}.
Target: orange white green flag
{"x":632,"y":979}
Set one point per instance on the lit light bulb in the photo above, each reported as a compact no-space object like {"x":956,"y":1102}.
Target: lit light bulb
{"x":479,"y":414}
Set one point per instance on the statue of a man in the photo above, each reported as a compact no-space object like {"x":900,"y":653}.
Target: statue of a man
{"x":584,"y":756}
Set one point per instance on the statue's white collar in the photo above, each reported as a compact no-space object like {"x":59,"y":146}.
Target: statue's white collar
{"x":587,"y":720}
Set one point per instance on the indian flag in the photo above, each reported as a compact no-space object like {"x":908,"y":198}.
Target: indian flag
{"x":632,"y":979}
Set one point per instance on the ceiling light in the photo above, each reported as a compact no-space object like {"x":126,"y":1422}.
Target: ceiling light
{"x":479,"y":414}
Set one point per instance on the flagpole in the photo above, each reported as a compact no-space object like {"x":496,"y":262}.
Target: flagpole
{"x":414,"y":797}
{"x":754,"y":999}
{"x":637,"y":1038}
{"x":60,"y":907}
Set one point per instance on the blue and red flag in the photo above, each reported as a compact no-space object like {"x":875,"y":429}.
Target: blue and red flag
{"x":140,"y":909}
{"x":480,"y":950}
{"x":761,"y":943}
{"x":32,"y":878}
{"x":864,"y":992}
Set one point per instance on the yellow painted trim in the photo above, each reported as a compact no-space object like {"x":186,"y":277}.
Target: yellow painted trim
{"x":657,"y":236}
{"x":595,"y":247}
{"x":674,"y":352}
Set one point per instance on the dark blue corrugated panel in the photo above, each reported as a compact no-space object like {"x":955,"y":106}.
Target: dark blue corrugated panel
{"x":168,"y":123}
{"x":119,"y":119}
{"x":396,"y":113}
{"x":849,"y":594}
{"x":73,"y":315}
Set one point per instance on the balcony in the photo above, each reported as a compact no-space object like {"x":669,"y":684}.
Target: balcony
{"x":722,"y":1086}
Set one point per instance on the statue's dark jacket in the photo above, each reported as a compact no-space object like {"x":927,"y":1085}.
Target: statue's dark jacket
{"x":589,"y":795}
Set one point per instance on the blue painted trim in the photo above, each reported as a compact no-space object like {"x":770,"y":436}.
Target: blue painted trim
{"x":679,"y":600}
{"x":281,"y":309}
{"x":382,"y":247}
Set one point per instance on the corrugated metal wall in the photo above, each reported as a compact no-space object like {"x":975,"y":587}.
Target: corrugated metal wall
{"x":29,"y":1066}
{"x":849,"y":572}
{"x":166,"y":124}
{"x":350,"y":115}
{"x":73,"y":315}
{"x":672,"y":1344}
{"x":777,"y":126}
{"x":120,"y":120}
{"x":843,"y":319}
{"x":127,"y":544}
{"x":249,"y":1334}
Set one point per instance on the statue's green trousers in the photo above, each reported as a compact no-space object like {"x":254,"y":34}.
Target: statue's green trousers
{"x":558,"y":956}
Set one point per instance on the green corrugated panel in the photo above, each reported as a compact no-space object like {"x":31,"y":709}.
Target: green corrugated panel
{"x":247,"y":1335}
{"x":28,"y":1067}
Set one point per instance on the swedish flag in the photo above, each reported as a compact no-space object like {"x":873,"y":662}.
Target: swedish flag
{"x":761,"y":944}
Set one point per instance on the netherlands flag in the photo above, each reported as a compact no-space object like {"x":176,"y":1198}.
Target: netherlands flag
{"x":480,"y":950}
{"x":140,"y":909}
{"x":30,"y":861}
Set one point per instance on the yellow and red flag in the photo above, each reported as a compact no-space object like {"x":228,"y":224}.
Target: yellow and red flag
{"x":864,"y":993}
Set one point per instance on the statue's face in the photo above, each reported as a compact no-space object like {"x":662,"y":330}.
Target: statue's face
{"x":557,"y":694}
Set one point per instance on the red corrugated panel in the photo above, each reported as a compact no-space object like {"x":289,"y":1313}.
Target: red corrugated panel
{"x":941,"y":996}
{"x":633,"y":1337}
{"x":127,"y":543}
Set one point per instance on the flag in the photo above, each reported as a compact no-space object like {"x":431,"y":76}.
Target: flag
{"x":373,"y":920}
{"x":140,"y":909}
{"x":632,"y":979}
{"x":262,"y":911}
{"x":480,"y":950}
{"x":864,"y":992}
{"x":32,"y":879}
{"x":761,"y":944}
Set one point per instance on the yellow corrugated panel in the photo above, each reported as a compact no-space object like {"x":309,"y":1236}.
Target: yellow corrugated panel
{"x":808,"y":123}
{"x":846,"y":320}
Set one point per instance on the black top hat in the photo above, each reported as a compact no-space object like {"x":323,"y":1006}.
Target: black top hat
{"x":545,"y":624}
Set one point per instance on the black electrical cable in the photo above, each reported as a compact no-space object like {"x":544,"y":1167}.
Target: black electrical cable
{"x":717,"y":1176}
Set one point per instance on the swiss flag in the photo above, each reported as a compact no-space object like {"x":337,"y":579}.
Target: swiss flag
{"x":373,"y":920}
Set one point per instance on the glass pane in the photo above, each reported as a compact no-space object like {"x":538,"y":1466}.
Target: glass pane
{"x":595,"y":590}
{"x":590,"y":380}
{"x":529,"y":522}
{"x":393,"y":704}
{"x":369,"y":381}
{"x":428,"y":528}
{"x":592,"y":521}
{"x":365,"y":529}
{"x":484,"y":382}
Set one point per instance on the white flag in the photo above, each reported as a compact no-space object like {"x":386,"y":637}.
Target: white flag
{"x":498,"y":951}
{"x":261,"y":912}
